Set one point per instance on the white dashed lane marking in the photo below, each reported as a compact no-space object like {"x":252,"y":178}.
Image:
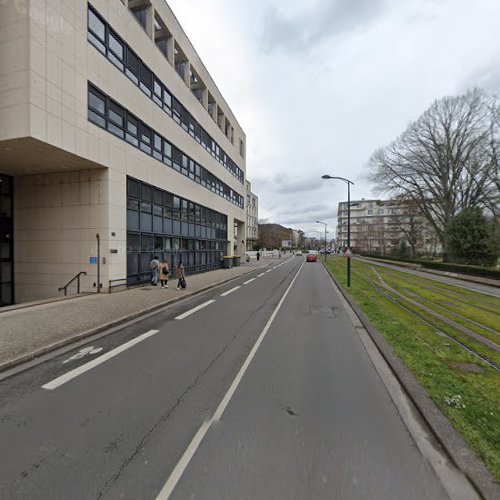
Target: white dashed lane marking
{"x":229,"y":291}
{"x":195,"y":309}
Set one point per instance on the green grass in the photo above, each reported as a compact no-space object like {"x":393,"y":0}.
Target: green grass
{"x":471,"y":401}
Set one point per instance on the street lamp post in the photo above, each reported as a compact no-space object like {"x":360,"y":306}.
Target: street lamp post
{"x":324,"y":223}
{"x":348,"y":182}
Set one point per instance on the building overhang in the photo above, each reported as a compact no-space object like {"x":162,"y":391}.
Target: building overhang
{"x":29,"y":156}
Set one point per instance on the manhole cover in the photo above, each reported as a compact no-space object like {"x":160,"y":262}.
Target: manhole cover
{"x":324,"y":312}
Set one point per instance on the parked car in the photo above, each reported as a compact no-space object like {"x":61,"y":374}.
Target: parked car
{"x":298,"y":253}
{"x":312,"y":256}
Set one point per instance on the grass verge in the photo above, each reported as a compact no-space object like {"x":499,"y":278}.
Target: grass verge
{"x":469,"y":399}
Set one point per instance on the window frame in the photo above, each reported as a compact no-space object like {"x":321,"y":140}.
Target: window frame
{"x":94,"y":39}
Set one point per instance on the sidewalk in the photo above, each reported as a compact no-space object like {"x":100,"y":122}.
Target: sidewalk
{"x":29,"y":332}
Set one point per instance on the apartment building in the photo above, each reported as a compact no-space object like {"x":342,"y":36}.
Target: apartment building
{"x":115,"y":145}
{"x":380,"y":226}
{"x":252,"y":211}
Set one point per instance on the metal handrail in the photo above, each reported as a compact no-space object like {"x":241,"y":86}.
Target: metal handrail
{"x":77,"y":277}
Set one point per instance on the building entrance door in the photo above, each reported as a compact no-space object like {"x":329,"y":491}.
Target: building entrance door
{"x":6,"y":242}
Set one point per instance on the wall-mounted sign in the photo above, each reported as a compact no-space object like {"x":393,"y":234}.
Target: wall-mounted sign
{"x":92,"y":260}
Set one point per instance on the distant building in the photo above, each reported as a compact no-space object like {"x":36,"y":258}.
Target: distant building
{"x":386,"y":227}
{"x":297,"y":238}
{"x":252,"y":213}
{"x":110,"y":125}
{"x":272,"y":235}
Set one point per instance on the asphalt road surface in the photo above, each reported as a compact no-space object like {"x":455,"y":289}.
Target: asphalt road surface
{"x":261,"y":389}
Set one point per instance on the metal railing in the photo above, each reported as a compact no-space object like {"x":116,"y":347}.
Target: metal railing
{"x":77,"y":278}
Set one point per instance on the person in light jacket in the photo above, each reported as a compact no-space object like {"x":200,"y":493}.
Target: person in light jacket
{"x":180,"y":275}
{"x":164,"y":272}
{"x":155,"y":270}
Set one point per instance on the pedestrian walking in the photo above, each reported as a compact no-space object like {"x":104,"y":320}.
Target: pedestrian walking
{"x":258,"y":256}
{"x":180,"y":275}
{"x":154,"y":265}
{"x":164,"y":272}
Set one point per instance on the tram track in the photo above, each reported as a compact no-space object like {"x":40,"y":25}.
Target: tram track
{"x":385,"y":293}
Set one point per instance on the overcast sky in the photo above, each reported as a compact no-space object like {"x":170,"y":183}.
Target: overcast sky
{"x":317,"y":85}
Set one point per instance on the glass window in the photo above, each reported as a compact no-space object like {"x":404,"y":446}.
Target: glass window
{"x":146,"y":79}
{"x":116,"y":119}
{"x":132,"y":220}
{"x":96,"y":31}
{"x":116,"y":50}
{"x":133,"y":242}
{"x":158,"y":195}
{"x":147,"y":193}
{"x":96,"y":107}
{"x":132,"y":264}
{"x":132,"y":130}
{"x":133,"y":188}
{"x":167,"y":226}
{"x":167,"y":149}
{"x":97,"y":101}
{"x":145,"y":137}
{"x":133,"y":66}
{"x":167,"y":99}
{"x":132,"y":204}
{"x":157,"y":142}
{"x":146,"y":222}
{"x":147,"y":242}
{"x":157,"y":152}
{"x":157,"y":92}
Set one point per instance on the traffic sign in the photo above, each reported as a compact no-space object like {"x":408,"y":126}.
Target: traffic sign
{"x":348,"y":252}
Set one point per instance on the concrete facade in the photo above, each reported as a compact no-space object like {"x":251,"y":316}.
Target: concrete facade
{"x":70,"y":175}
{"x":379,"y":226}
{"x":252,"y":212}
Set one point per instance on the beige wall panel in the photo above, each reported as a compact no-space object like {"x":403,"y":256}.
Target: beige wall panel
{"x":57,"y":217}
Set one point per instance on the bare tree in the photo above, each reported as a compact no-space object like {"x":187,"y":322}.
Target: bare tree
{"x":409,"y":222}
{"x":446,"y":160}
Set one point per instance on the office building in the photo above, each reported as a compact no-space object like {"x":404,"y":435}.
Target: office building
{"x":252,"y":211}
{"x":115,"y":145}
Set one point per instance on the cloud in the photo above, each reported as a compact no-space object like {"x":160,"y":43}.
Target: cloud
{"x":486,"y":77}
{"x":296,"y":32}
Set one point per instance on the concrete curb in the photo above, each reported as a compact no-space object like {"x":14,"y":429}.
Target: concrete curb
{"x":451,"y":441}
{"x":25,"y":358}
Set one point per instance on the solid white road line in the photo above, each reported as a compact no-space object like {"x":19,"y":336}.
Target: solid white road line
{"x":229,"y":291}
{"x":53,"y":384}
{"x":261,"y":274}
{"x":269,"y":270}
{"x":249,"y":281}
{"x":197,"y":308}
{"x":198,"y":438}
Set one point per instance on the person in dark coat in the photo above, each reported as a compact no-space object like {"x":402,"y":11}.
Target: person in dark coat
{"x":180,"y":275}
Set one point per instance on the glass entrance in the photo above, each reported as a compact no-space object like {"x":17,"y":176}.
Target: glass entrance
{"x":6,"y":242}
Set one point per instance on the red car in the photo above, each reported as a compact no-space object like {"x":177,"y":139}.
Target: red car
{"x":312,"y":256}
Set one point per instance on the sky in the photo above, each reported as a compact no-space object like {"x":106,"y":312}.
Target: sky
{"x":318,"y":85}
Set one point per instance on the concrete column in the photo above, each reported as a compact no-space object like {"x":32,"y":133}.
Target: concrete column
{"x":150,"y":22}
{"x":215,"y":111}
{"x":187,"y":73}
{"x":171,"y":50}
{"x":204,"y":98}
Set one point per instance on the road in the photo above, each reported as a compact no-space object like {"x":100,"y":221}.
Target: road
{"x":261,"y":389}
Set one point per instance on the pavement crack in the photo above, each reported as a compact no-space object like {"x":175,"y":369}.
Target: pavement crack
{"x":165,"y":416}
